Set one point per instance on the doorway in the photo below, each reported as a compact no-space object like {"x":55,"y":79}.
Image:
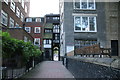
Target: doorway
{"x":56,"y":54}
{"x":114,"y":46}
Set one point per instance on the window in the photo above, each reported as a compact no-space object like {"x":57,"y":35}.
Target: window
{"x":48,"y":31}
{"x":47,"y":41}
{"x":22,"y":17}
{"x":83,"y":43}
{"x":28,"y":29}
{"x":55,"y":18}
{"x":6,"y":1}
{"x":19,"y":1}
{"x":12,"y":5}
{"x":25,"y":39}
{"x":85,"y":24}
{"x":28,"y":19}
{"x":17,"y":25}
{"x":84,"y":4}
{"x":18,"y":12}
{"x":22,"y":3}
{"x":56,"y":28}
{"x":38,"y":19}
{"x":4,"y":18}
{"x":11,"y":23}
{"x":57,"y":36}
{"x":37,"y":41}
{"x":37,"y":29}
{"x":25,"y":8}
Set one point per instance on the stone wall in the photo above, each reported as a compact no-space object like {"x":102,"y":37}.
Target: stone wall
{"x":119,"y":29}
{"x":93,"y":67}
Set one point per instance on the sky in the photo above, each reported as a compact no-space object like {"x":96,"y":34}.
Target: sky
{"x":39,"y":8}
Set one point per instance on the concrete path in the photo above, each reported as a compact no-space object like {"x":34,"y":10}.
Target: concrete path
{"x":49,"y":69}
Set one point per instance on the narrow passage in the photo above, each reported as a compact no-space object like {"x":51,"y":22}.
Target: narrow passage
{"x":49,"y":69}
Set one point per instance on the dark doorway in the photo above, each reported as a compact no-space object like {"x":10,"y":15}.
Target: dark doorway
{"x":114,"y":46}
{"x":47,"y":54}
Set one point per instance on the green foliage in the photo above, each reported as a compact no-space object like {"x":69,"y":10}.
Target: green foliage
{"x":12,"y":47}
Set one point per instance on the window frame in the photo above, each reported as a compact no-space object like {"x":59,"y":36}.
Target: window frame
{"x":29,"y":29}
{"x":12,"y":7}
{"x":5,"y":16}
{"x":88,"y":24}
{"x":80,"y":1}
{"x":22,"y":17}
{"x":36,"y":30}
{"x":18,"y":12}
{"x":6,"y":1}
{"x":12,"y":21}
{"x":26,"y":9}
{"x":35,"y":40}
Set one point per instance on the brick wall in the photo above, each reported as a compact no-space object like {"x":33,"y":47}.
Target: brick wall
{"x":18,"y":33}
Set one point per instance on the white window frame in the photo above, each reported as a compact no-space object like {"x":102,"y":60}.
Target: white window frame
{"x":23,"y":5}
{"x":25,"y":39}
{"x":17,"y":12}
{"x":28,"y":19}
{"x":22,"y":17}
{"x":19,"y":1}
{"x":87,"y":5}
{"x":35,"y":41}
{"x":11,"y":23}
{"x":6,"y":1}
{"x":5,"y":16}
{"x":12,"y":5}
{"x":35,"y":31}
{"x":88,"y":24}
{"x":17,"y":25}
{"x":29,"y":28}
{"x":47,"y":42}
{"x":26,"y":9}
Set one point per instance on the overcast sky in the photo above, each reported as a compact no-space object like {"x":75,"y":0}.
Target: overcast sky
{"x":38,"y":8}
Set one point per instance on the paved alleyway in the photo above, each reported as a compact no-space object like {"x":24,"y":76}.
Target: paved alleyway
{"x":49,"y":69}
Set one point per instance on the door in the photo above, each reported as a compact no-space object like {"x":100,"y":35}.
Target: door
{"x":47,"y":54}
{"x":114,"y":46}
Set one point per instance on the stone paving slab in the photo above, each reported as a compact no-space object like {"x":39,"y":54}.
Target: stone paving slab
{"x":49,"y":69}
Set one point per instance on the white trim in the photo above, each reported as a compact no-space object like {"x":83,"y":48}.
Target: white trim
{"x":88,"y":24}
{"x":29,"y":29}
{"x":82,"y":14}
{"x":87,"y":5}
{"x":18,"y":12}
{"x":35,"y":31}
{"x":35,"y":41}
{"x":11,"y":22}
{"x":6,"y":1}
{"x":5,"y":16}
{"x":12,"y":5}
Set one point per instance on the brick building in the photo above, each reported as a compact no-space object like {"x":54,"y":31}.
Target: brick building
{"x":19,"y":33}
{"x":88,"y":22}
{"x":13,"y":12}
{"x":51,"y":37}
{"x":33,"y":26}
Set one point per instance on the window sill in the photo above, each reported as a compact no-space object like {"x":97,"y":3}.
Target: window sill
{"x":85,"y":31}
{"x":84,"y":9}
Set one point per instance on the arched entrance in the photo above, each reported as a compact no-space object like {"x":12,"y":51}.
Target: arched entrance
{"x":56,"y":53}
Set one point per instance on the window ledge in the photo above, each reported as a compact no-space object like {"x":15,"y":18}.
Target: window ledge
{"x":85,"y":31}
